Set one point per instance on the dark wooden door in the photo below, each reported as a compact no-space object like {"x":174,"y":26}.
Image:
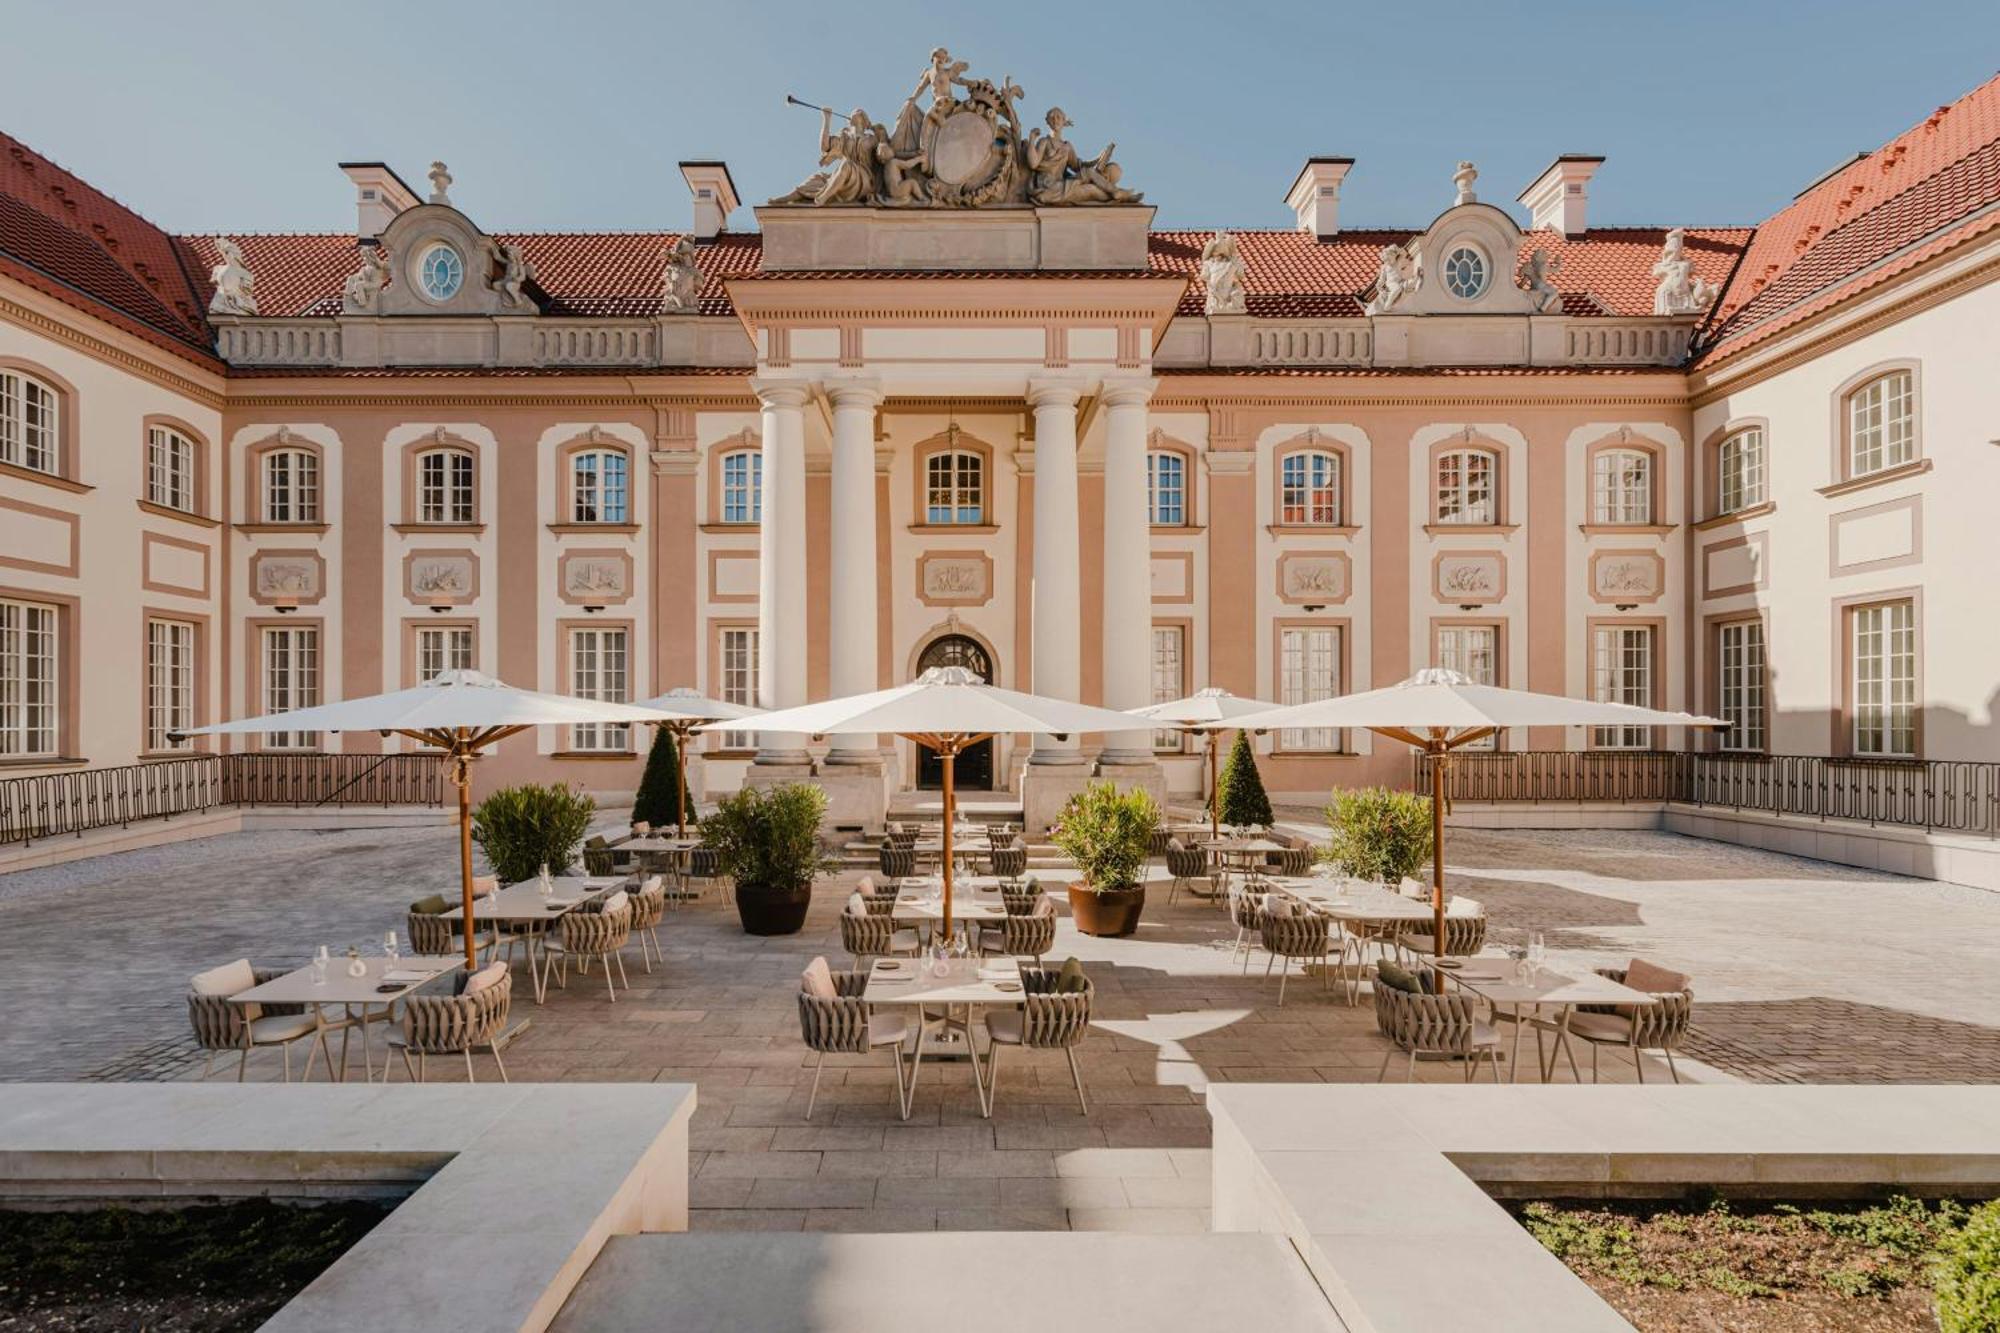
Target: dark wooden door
{"x":974,"y":768}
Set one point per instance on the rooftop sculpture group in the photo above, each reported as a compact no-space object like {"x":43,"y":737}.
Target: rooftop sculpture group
{"x":964,"y":148}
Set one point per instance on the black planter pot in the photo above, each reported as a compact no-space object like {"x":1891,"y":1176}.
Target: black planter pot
{"x":768,"y":911}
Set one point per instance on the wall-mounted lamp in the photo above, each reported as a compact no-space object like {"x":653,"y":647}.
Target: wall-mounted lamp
{"x":1468,"y":606}
{"x":1627,"y":606}
{"x":1315,"y":606}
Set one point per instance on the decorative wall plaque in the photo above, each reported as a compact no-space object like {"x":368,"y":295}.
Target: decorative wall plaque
{"x":293,"y":578}
{"x":1627,"y":576}
{"x":595,"y":578}
{"x":1466,"y":578}
{"x":1314,"y":578}
{"x":441,"y":578}
{"x":955,"y":578}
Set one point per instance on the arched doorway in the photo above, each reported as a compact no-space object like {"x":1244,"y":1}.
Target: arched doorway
{"x":975,"y":762}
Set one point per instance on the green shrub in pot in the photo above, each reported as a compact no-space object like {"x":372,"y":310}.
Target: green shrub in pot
{"x":1107,"y":833}
{"x":1378,"y":833}
{"x":767,"y":840}
{"x":530,"y":826}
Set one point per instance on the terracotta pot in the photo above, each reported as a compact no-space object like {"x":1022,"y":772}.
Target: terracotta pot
{"x":1108,"y":912}
{"x":769,"y":911}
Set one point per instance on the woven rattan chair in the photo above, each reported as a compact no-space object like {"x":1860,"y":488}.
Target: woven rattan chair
{"x":1293,"y":862}
{"x":902,"y":835}
{"x":898,"y":862}
{"x":1186,"y":864}
{"x":1424,"y":1024}
{"x":586,"y":934}
{"x":1301,"y":935}
{"x":1659,"y":1026}
{"x":843,"y":1026}
{"x":1027,"y":935}
{"x":220,"y":1024}
{"x":1246,"y":913}
{"x":874,"y":934}
{"x":704,"y":872}
{"x":454,"y":1025}
{"x":598,"y":858}
{"x":1047,"y":1020}
{"x":1008,"y":859}
{"x":1157,"y":844}
{"x":1020,"y":898}
{"x":649,"y":906}
{"x":430,"y":933}
{"x":1464,"y":936}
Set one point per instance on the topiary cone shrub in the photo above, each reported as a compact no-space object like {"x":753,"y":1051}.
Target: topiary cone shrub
{"x":661,"y":784}
{"x":1239,"y":792}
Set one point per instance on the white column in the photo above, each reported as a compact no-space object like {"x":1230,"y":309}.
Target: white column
{"x":1128,"y":576}
{"x":852,"y":569}
{"x":1058,"y":664}
{"x":781,"y":566}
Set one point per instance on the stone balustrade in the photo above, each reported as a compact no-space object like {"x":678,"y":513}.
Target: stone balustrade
{"x":482,"y":342}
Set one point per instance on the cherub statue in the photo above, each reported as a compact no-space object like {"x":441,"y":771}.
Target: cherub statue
{"x":1536,"y":272}
{"x":1401,"y":273}
{"x":510,"y":273}
{"x":235,"y":284}
{"x":1059,"y":176}
{"x":1680,"y":291}
{"x":680,"y":281}
{"x":849,"y":159}
{"x":362,"y":292}
{"x":1222,"y":276}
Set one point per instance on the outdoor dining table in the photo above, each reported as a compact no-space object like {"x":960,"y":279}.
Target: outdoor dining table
{"x":954,"y":984}
{"x":1366,"y":914}
{"x":522,"y":908}
{"x":660,"y":849}
{"x":920,"y":903}
{"x":1500,"y":982}
{"x":1240,"y":856}
{"x":382,"y":982}
{"x":963,"y":847}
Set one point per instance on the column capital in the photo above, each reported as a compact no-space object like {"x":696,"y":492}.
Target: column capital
{"x":1127,"y":393}
{"x":781,"y":393}
{"x":1054,"y":392}
{"x":856,"y":391}
{"x":676,"y":462}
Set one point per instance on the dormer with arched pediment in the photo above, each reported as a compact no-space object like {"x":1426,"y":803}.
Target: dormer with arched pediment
{"x":438,"y":262}
{"x":1467,"y":257}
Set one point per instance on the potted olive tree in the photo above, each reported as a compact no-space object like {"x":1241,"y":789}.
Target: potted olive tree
{"x":1107,"y":833}
{"x":1378,"y":833}
{"x":767,"y":840}
{"x":530,"y":826}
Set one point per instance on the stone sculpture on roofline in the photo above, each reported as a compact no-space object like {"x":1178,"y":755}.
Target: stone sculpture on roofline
{"x":235,"y":284}
{"x":1680,"y":291}
{"x":680,"y":279}
{"x":964,"y":148}
{"x":1222,"y":277}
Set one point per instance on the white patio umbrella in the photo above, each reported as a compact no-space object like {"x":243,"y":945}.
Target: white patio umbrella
{"x":684,"y":710}
{"x":945,"y":709}
{"x":459,"y":712}
{"x":1438,"y":711}
{"x":1208,"y":712}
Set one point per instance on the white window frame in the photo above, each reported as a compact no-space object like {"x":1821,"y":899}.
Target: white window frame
{"x":289,"y":674}
{"x":442,"y":648}
{"x":1882,"y":655}
{"x":601,"y":668}
{"x":1166,"y":488}
{"x":170,"y":663}
{"x":447,"y":486}
{"x":1474,"y":651}
{"x":1623,"y":660}
{"x":1462,"y":497}
{"x":1308,"y":671}
{"x":1740,"y":464}
{"x":1882,"y":424}
{"x":291,"y":486}
{"x":30,"y":680}
{"x":1309,"y":485}
{"x":742,"y":486}
{"x":1621,"y":487}
{"x":1740,"y":680}
{"x":596,"y":495}
{"x":1169,"y":674}
{"x":170,"y":472}
{"x":958,"y":477}
{"x":30,"y":423}
{"x":736,"y":668}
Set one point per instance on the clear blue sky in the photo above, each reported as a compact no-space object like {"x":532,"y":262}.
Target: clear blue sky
{"x":212,"y":116}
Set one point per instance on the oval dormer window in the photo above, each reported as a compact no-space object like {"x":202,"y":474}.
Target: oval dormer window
{"x":1465,"y":273}
{"x":440,"y":272}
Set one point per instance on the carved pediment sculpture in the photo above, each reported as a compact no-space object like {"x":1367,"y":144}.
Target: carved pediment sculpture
{"x":1681,"y":291}
{"x":362,"y":292}
{"x":963,"y":148}
{"x":680,"y":280}
{"x":1222,"y":276}
{"x":1536,"y":274}
{"x":507,"y":273}
{"x":287,"y":578}
{"x":452,"y":575}
{"x":235,"y":284}
{"x":1400,"y":275}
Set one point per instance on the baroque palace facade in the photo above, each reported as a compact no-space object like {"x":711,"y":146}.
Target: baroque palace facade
{"x":954,"y":400}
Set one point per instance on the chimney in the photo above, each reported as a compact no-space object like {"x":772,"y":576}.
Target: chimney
{"x":1315,"y":195}
{"x":714,"y":195}
{"x":1559,"y":198}
{"x":379,"y":195}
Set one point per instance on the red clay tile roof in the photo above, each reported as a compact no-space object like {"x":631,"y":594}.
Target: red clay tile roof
{"x":1929,"y":189}
{"x":64,"y":236}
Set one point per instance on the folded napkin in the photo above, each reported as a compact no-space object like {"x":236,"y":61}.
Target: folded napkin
{"x":561,"y":902}
{"x":405,"y":974}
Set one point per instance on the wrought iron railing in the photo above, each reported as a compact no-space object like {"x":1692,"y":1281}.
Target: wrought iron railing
{"x":1950,"y":795}
{"x":74,"y":801}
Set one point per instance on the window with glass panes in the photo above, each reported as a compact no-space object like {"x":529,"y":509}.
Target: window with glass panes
{"x":1621,"y":486}
{"x":1739,"y":672}
{"x":953,"y":488}
{"x":28,"y":420}
{"x":1169,"y":678}
{"x":445,"y":488}
{"x":742,"y":486}
{"x":28,"y":679}
{"x":1472,"y":651}
{"x":1465,"y":486}
{"x":1884,"y":648}
{"x":1309,"y":488}
{"x":598,"y":486}
{"x":291,"y":486}
{"x":737,"y":659}
{"x":1740,"y":471}
{"x":1881,"y":424}
{"x":598,"y":669}
{"x":442,"y":648}
{"x":1308,"y":671}
{"x":169,"y":682}
{"x":1621,"y":672}
{"x":1166,"y":488}
{"x":291,"y":680}
{"x":169,"y":468}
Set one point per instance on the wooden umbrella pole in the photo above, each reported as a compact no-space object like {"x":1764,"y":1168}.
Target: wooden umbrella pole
{"x":461,"y":766}
{"x":947,"y":753}
{"x":1214,"y":792}
{"x":681,"y":773}
{"x":1438,"y":757}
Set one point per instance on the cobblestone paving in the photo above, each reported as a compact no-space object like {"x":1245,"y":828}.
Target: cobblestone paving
{"x":1806,"y":972}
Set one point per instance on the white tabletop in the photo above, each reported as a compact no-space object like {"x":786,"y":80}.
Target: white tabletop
{"x":1495,"y":979}
{"x":971,"y":900}
{"x":1360,"y":905}
{"x":965,"y":981}
{"x":524,"y":901}
{"x":1243,"y":845}
{"x":656,"y":843}
{"x":339,"y":988}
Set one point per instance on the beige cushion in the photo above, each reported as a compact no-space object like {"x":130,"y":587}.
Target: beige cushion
{"x":1457,"y":906}
{"x":866,"y":884}
{"x":1653,"y":979}
{"x":817,"y":980}
{"x":1415,"y":888}
{"x":888,"y":1029}
{"x":485,"y":884}
{"x":1601,"y":1027}
{"x":652,"y":884}
{"x":1004,"y":1026}
{"x":640,"y":828}
{"x":229,"y":979}
{"x":485,"y":978}
{"x":856,"y":904}
{"x":616,"y":903}
{"x":280,"y":1027}
{"x":1043,"y":907}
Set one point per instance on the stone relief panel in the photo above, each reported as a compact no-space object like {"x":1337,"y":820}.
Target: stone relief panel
{"x":954,"y":578}
{"x":1469,"y":578}
{"x":594,"y":578}
{"x":287,"y":578}
{"x":1627,"y":576}
{"x":441,"y":578}
{"x":1314,"y":578}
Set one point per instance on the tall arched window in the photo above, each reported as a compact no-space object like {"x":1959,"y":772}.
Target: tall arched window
{"x":1621,"y":486}
{"x":954,"y":487}
{"x":742,"y":486}
{"x":28,"y":423}
{"x":1166,"y":488}
{"x":1466,"y":486}
{"x":1881,"y":424}
{"x":169,"y":468}
{"x":1309,"y":488}
{"x":291,"y":486}
{"x":598,"y":489}
{"x":445,"y":488}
